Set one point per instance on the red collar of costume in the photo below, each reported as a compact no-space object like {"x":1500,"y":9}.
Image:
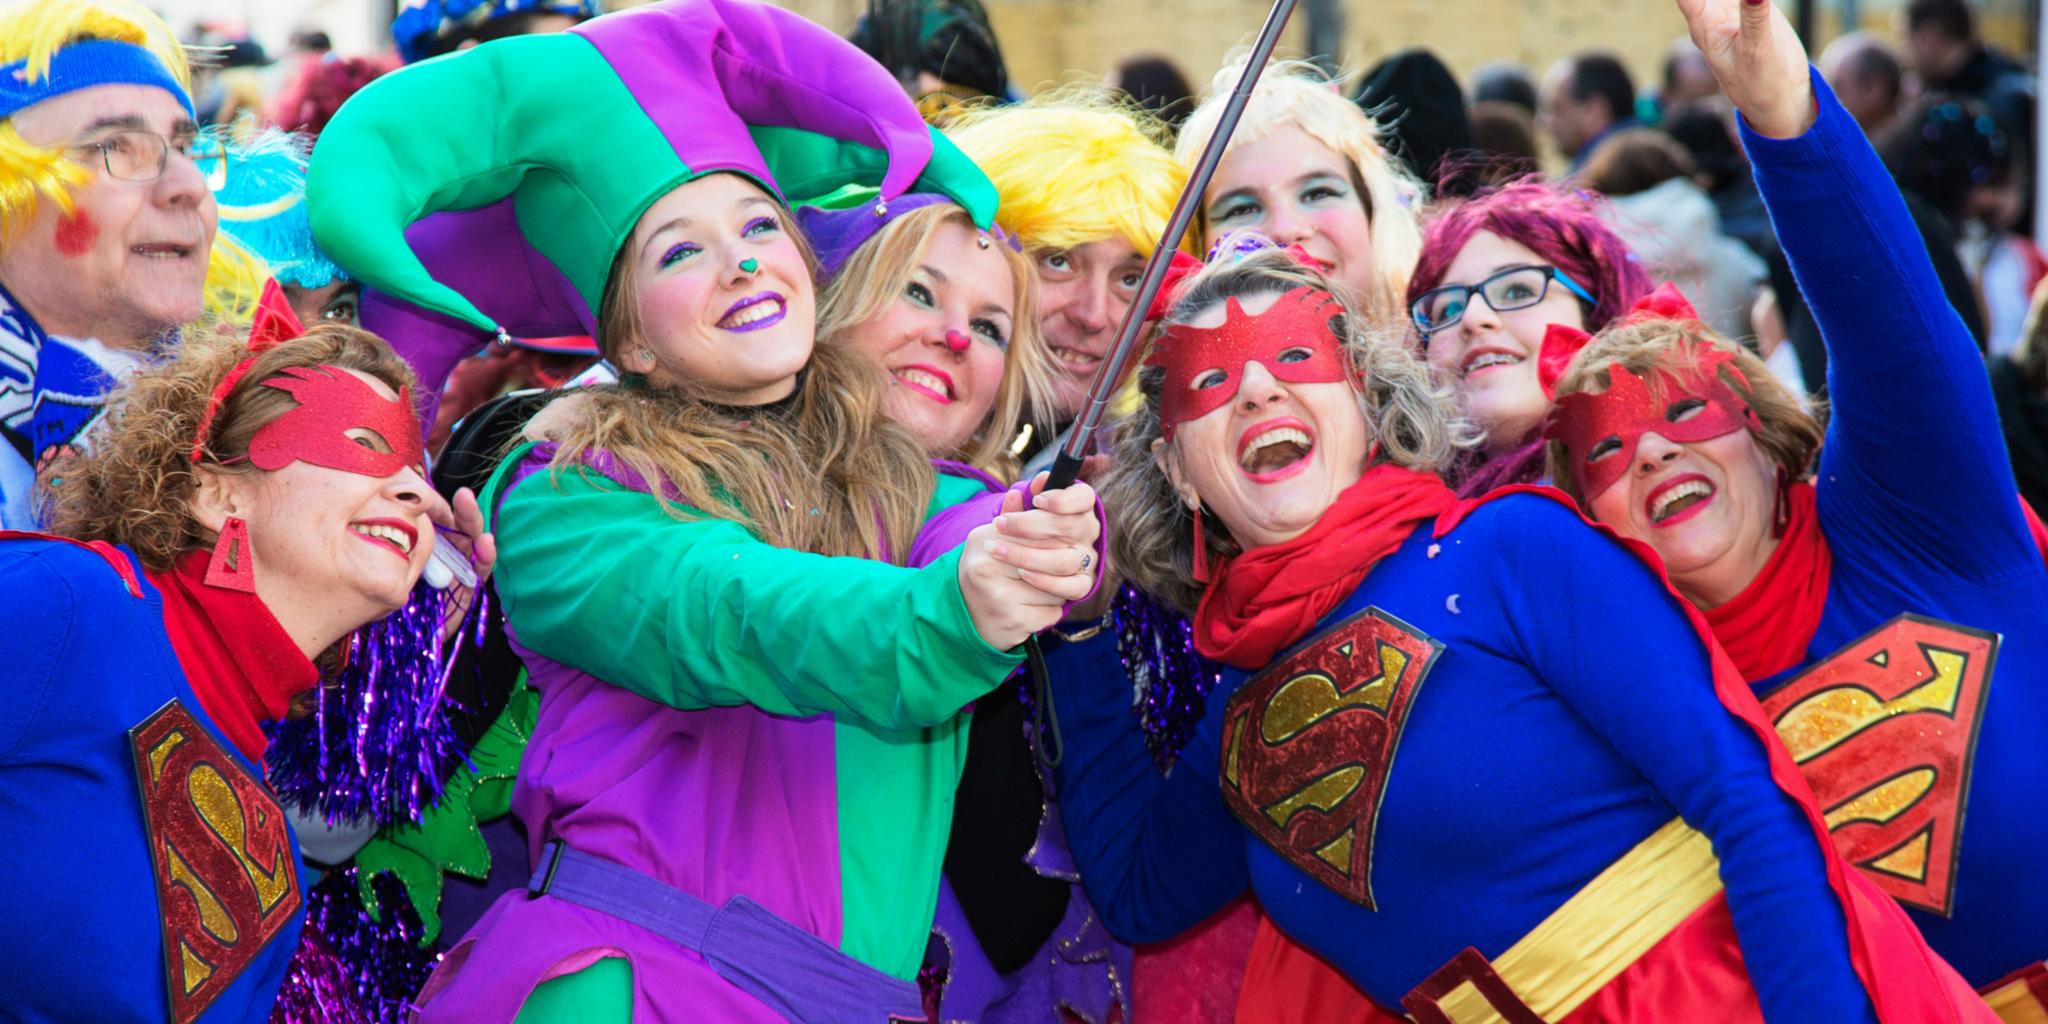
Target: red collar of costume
{"x":1766,"y":628}
{"x":1267,"y":598}
{"x":1904,"y":981}
{"x":241,"y":664}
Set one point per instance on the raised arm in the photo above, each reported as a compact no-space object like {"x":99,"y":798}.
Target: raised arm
{"x":1913,"y":449}
{"x":1643,"y":681}
{"x":1158,"y":853}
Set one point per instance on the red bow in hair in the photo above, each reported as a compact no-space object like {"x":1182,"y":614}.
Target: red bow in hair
{"x":274,"y":323}
{"x":1184,"y":266}
{"x":1561,"y":343}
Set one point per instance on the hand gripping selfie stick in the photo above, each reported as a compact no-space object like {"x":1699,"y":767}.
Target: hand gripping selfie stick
{"x":1067,"y":467}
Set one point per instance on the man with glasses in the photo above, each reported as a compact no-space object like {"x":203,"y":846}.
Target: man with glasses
{"x":107,"y":220}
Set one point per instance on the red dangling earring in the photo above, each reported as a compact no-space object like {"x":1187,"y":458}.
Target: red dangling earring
{"x":1782,"y":510}
{"x":231,"y":567}
{"x":1201,"y":549}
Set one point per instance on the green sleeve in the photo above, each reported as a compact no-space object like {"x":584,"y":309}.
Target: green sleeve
{"x":698,"y":613}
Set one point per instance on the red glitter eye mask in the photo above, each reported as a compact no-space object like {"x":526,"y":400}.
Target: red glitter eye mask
{"x":333,"y":402}
{"x":1630,"y":407}
{"x":1299,"y":319}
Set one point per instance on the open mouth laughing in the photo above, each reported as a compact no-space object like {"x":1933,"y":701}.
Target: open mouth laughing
{"x":1678,"y":499}
{"x":1275,"y":449}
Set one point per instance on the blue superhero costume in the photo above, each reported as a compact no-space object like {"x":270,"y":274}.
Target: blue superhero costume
{"x":133,"y":828}
{"x":1936,"y":602}
{"x":1533,"y":754}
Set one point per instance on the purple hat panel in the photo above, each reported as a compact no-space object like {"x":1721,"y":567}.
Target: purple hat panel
{"x":772,"y":67}
{"x":835,"y":234}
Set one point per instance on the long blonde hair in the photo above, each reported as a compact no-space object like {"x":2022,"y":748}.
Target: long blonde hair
{"x":877,"y":275}
{"x":823,"y":472}
{"x":1297,"y":94}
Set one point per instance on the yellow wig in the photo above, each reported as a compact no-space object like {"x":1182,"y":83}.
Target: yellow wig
{"x":1073,"y":168}
{"x":34,"y":30}
{"x":1297,"y":94}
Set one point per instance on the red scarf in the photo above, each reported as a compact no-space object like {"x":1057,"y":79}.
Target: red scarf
{"x":1267,"y":598}
{"x":1765,"y":629}
{"x":241,"y":664}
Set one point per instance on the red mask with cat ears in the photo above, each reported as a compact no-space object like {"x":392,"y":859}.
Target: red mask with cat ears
{"x":341,"y":422}
{"x":1600,"y":431}
{"x":1204,"y":366}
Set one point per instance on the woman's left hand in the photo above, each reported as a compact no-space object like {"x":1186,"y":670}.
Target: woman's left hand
{"x":462,"y":525}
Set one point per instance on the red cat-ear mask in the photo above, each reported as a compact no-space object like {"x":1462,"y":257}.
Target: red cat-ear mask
{"x":1294,"y":339}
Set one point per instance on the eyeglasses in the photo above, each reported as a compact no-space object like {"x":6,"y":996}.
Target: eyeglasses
{"x":1513,"y":288}
{"x":137,"y":155}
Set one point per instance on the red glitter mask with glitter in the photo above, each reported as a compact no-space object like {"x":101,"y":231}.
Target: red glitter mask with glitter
{"x":332,"y":403}
{"x":1600,"y":431}
{"x":1298,"y":320}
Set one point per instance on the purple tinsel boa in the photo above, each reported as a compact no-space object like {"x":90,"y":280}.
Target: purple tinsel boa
{"x":378,"y":745}
{"x":1170,"y":678}
{"x":350,"y":969}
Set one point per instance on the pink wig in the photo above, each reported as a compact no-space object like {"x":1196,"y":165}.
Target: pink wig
{"x":1559,"y":225}
{"x":318,"y":88}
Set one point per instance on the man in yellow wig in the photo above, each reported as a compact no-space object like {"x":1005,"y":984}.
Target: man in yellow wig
{"x":106,"y":219}
{"x":1087,"y":188}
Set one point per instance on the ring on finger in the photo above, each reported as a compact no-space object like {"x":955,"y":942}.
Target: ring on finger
{"x":1087,"y":559}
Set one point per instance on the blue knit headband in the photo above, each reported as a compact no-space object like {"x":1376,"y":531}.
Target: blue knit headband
{"x":83,"y":65}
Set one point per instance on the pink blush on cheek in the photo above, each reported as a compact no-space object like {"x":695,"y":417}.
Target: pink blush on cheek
{"x":76,"y":234}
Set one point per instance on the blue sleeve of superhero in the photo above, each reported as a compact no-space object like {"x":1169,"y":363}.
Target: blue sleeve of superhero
{"x":1605,"y":633}
{"x":44,"y":622}
{"x":1157,"y":853}
{"x":1914,"y":457}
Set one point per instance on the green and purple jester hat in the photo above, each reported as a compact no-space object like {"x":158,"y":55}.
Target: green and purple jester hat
{"x":485,"y":193}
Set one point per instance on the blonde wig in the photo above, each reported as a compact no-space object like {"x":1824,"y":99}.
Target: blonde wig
{"x":1296,"y":94}
{"x":878,"y":273}
{"x":823,"y":471}
{"x":1787,"y":432}
{"x":1410,"y":414}
{"x":34,"y":30}
{"x":1074,"y":167}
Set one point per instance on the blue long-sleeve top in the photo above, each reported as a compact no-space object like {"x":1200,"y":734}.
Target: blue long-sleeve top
{"x":1916,"y":499}
{"x":1570,"y":713}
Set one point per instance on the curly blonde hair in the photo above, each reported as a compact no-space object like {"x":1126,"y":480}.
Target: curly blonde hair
{"x":1412,"y":415}
{"x":1789,"y":434}
{"x":877,"y":275}
{"x":824,"y":472}
{"x":137,"y":484}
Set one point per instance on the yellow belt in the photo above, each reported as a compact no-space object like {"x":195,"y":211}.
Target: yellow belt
{"x":1606,"y":926}
{"x":2018,"y":1001}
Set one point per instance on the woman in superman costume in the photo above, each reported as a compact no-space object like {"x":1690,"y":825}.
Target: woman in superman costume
{"x":1424,"y":767}
{"x":1886,"y":609}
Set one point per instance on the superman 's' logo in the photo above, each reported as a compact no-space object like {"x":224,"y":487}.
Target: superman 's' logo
{"x":226,"y":877}
{"x":1883,"y":730}
{"x":1307,"y":744}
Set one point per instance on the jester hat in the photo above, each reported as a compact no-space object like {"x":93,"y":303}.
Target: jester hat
{"x":565,"y":140}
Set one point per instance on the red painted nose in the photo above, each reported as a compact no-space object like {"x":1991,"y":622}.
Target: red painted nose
{"x":958,"y":341}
